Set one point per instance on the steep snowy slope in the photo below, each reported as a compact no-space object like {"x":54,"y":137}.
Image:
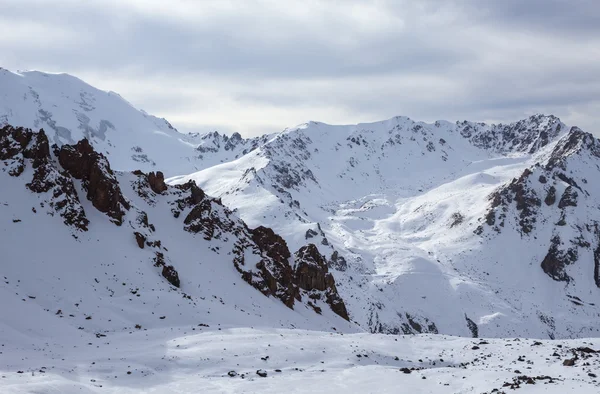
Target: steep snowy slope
{"x":114,"y":280}
{"x":398,"y":206}
{"x":87,"y":252}
{"x":69,"y":110}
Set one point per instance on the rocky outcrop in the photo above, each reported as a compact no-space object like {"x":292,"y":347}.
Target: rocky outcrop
{"x":157,"y":182}
{"x":569,"y":198}
{"x":574,"y":142}
{"x":527,"y":135}
{"x":526,"y":202}
{"x":187,"y":200}
{"x":338,"y":262}
{"x":260,"y":255}
{"x":550,"y":196}
{"x":574,"y":232}
{"x":274,"y":267}
{"x":556,"y":260}
{"x":19,"y":146}
{"x":140,"y":239}
{"x":272,"y":244}
{"x":170,"y":274}
{"x":93,"y":169}
{"x":312,"y":275}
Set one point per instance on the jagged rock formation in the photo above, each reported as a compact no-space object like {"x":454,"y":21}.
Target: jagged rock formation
{"x":260,"y":255}
{"x":18,"y":146}
{"x":557,"y":175}
{"x":157,"y":182}
{"x":312,"y":275}
{"x":93,"y":169}
{"x":527,"y":135}
{"x":215,"y":143}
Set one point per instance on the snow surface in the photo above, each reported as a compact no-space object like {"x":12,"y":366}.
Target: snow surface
{"x":401,"y":201}
{"x":177,"y":360}
{"x":386,"y":195}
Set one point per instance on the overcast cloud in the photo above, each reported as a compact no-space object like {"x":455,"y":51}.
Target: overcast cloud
{"x":259,"y":66}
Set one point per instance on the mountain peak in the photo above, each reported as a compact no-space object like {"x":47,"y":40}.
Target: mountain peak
{"x":574,"y":142}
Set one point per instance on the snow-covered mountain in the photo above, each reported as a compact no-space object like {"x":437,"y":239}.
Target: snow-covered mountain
{"x":69,"y":110}
{"x":405,"y":207}
{"x":392,"y":227}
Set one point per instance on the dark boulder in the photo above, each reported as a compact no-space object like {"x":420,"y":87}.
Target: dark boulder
{"x":170,"y":274}
{"x":140,"y":239}
{"x":157,"y":182}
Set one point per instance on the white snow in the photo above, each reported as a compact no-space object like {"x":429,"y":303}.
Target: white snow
{"x":400,"y":200}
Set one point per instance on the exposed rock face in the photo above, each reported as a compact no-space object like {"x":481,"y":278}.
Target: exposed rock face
{"x":575,"y":141}
{"x":140,"y":239}
{"x":527,"y":135}
{"x":556,"y":260}
{"x":92,"y":168}
{"x":157,"y":182}
{"x":273,"y":245}
{"x":195,"y":196}
{"x":574,"y":231}
{"x":171,"y":275}
{"x":551,"y":196}
{"x":338,"y":262}
{"x":310,"y":233}
{"x":275,"y":269}
{"x":200,"y":220}
{"x":18,"y":145}
{"x":212,"y":143}
{"x":269,"y":270}
{"x":311,"y":271}
{"x":526,"y":201}
{"x":569,"y":198}
{"x":472,"y":327}
{"x":311,"y":274}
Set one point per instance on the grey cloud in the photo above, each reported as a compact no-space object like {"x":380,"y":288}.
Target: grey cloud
{"x":453,"y":59}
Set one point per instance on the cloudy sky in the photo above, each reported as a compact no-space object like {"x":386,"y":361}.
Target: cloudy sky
{"x":257,"y":66}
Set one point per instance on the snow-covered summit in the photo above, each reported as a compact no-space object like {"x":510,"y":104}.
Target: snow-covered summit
{"x":69,"y":110}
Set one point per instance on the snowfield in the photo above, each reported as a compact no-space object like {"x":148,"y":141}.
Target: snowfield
{"x":226,"y":360}
{"x":361,"y":258}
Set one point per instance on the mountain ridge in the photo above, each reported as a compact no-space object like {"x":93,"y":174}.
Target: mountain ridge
{"x":399,"y":211}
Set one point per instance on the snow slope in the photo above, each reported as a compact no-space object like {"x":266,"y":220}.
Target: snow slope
{"x":69,"y":109}
{"x":120,"y":252}
{"x":394,"y":227}
{"x":402,"y":202}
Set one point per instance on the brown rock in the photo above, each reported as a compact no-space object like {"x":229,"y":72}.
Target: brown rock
{"x":170,"y":274}
{"x":157,"y":182}
{"x":273,"y":245}
{"x":312,"y":274}
{"x":82,"y":162}
{"x":140,"y":239}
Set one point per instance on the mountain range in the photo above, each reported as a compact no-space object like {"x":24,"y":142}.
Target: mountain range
{"x":112,"y":221}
